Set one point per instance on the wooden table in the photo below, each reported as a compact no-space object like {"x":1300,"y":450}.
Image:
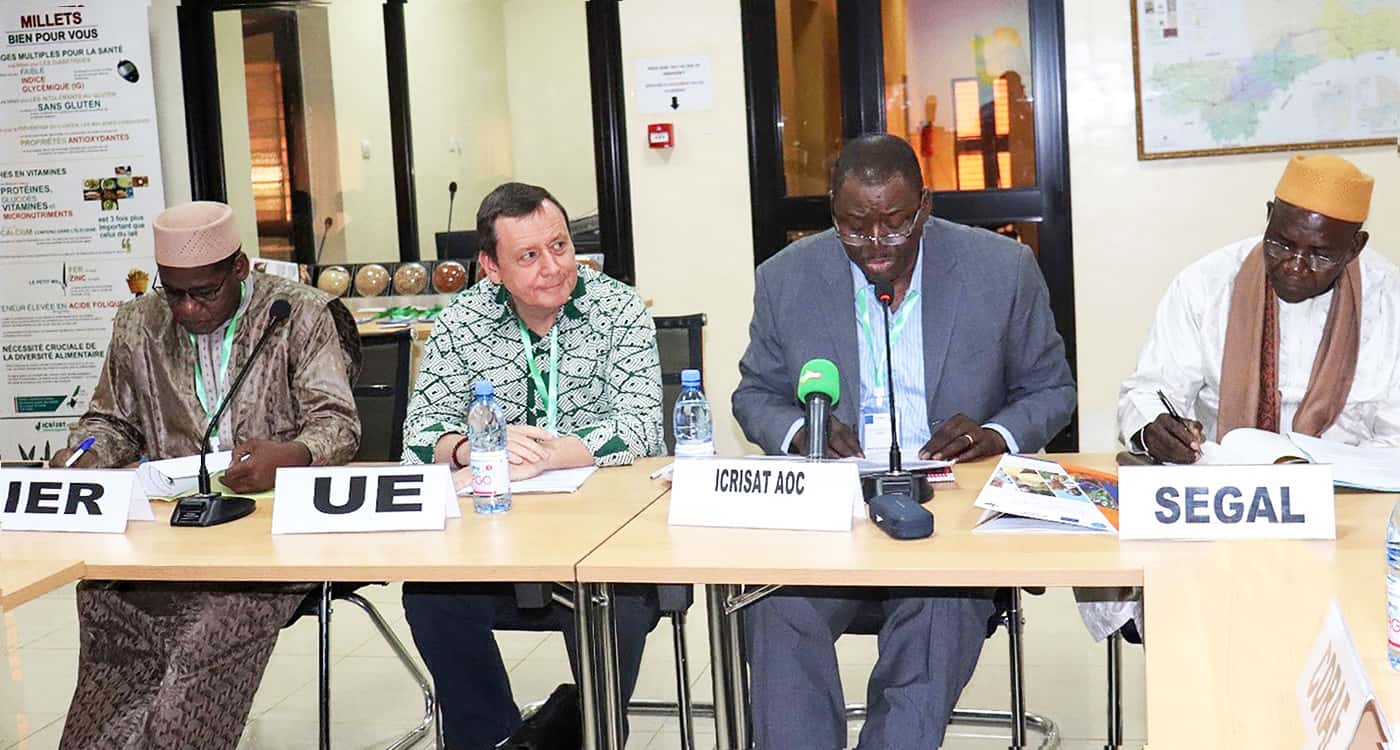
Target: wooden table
{"x":541,"y":539}
{"x":1229,"y":624}
{"x":24,"y":580}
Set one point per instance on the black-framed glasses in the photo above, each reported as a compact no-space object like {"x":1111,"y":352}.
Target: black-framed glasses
{"x":889,"y":239}
{"x":204,"y":295}
{"x":1285,"y":251}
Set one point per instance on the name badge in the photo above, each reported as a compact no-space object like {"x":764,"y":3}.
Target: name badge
{"x":761,"y":493}
{"x":1226,"y":502}
{"x":876,"y":432}
{"x":1335,"y":701}
{"x":333,"y":499}
{"x":71,"y":500}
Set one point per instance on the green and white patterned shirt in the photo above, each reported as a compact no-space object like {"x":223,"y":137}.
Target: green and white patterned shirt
{"x":609,"y":370}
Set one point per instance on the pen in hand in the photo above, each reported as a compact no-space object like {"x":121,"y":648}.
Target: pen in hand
{"x":82,"y":450}
{"x":1192,"y":427}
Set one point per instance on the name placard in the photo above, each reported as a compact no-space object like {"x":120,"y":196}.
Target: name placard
{"x":333,"y":499}
{"x":1226,"y":502}
{"x":764,"y":494}
{"x":94,"y":500}
{"x":1335,"y":701}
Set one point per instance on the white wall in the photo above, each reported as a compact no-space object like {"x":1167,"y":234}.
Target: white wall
{"x":457,"y":93}
{"x":549,"y":94}
{"x":1136,"y":224}
{"x":233,"y":118}
{"x":170,"y":101}
{"x":690,"y":205}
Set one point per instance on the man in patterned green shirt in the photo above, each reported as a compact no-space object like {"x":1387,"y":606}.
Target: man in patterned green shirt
{"x":572,"y":355}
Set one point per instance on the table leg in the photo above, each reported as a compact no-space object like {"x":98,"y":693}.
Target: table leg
{"x":588,"y":696}
{"x":603,"y":698}
{"x":719,"y":664}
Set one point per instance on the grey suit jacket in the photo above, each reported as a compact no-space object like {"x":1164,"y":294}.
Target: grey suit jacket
{"x":991,"y":350}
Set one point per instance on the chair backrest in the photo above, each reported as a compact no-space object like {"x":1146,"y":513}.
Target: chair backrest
{"x":381,"y":394}
{"x":680,"y":343}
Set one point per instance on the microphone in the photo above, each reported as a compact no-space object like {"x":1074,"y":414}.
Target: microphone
{"x":209,"y":508}
{"x":895,"y":495}
{"x":819,"y":387}
{"x":325,"y":232}
{"x":451,"y":199}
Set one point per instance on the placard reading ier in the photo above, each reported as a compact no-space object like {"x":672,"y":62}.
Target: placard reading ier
{"x":70,"y":500}
{"x":1226,"y":502}
{"x":764,"y":494}
{"x":330,"y":499}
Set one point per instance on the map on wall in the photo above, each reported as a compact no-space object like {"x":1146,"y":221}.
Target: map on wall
{"x":1238,"y":76}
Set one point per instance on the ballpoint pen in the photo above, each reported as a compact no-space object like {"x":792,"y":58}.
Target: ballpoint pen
{"x":83,"y":448}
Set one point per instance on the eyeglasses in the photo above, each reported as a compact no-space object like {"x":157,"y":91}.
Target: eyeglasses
{"x":889,"y":239}
{"x":1287,"y":251}
{"x":203,"y":296}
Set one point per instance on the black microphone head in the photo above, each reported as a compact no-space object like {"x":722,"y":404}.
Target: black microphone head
{"x":280,"y":310}
{"x":884,"y":291}
{"x":329,"y":221}
{"x":452,"y":188}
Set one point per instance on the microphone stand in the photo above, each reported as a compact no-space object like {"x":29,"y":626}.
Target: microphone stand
{"x":209,"y":508}
{"x":895,"y":481}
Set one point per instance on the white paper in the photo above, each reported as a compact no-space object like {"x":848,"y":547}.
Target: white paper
{"x":909,"y":461}
{"x":556,"y":480}
{"x":1361,"y":468}
{"x":1247,"y":446}
{"x":993,"y":522}
{"x":173,"y":477}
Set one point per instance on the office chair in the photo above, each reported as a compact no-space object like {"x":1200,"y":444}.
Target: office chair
{"x":381,"y":394}
{"x":318,"y":604}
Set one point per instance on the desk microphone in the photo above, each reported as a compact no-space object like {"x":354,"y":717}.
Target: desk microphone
{"x":325,"y":233}
{"x":209,"y":508}
{"x":893,"y":496}
{"x":451,"y":199}
{"x":819,"y":387}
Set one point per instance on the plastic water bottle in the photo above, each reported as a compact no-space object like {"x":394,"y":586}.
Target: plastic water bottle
{"x":490,"y":464}
{"x":1392,"y":586}
{"x":691,"y":419}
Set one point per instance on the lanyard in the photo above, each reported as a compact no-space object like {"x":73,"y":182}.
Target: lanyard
{"x":550,"y":395}
{"x":225,"y":354}
{"x":901,"y":319}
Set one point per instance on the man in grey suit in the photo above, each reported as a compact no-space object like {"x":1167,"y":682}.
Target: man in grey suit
{"x":979,"y":369}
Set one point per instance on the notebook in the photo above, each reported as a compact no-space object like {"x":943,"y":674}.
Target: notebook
{"x":1353,"y":467}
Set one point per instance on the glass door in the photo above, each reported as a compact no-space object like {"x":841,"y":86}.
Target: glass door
{"x":977,"y":89}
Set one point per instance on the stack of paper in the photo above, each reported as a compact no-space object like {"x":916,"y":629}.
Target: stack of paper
{"x":1033,"y":495}
{"x":173,"y":477}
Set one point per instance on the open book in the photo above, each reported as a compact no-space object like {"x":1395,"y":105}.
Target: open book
{"x":1032,"y":495}
{"x":1358,"y":468}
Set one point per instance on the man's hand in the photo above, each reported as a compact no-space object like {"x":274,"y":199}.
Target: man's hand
{"x":843,"y":442}
{"x":60,"y":458}
{"x":961,"y":439}
{"x":527,"y":444}
{"x":1173,"y":440}
{"x":255,"y":464}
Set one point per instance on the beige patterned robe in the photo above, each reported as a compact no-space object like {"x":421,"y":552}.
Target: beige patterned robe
{"x":175,"y":665}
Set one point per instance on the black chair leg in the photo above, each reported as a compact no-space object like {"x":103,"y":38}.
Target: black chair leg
{"x":323,"y":653}
{"x":1018,"y":687}
{"x":1115,"y":692}
{"x":684,"y":706}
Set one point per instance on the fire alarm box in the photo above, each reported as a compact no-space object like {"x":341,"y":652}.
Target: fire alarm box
{"x":660,"y":135}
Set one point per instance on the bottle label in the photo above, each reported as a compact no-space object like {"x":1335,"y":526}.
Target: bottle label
{"x":695,"y":450}
{"x":490,"y":473}
{"x":1392,"y":606}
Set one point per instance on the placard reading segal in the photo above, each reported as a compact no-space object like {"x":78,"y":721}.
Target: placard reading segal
{"x":764,"y":494}
{"x":330,"y":499}
{"x":1226,"y":502}
{"x":70,"y":500}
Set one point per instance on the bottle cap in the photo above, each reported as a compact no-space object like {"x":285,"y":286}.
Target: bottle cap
{"x":484,"y":388}
{"x":690,"y":377}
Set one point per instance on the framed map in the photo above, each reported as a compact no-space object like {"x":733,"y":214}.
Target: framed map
{"x":1242,"y":76}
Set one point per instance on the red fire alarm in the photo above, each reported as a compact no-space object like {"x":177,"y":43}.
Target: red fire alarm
{"x":660,"y":135}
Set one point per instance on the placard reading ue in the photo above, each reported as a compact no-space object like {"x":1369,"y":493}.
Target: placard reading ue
{"x":328,"y":499}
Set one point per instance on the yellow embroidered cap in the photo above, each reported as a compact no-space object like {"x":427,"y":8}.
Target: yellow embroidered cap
{"x":1327,"y":184}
